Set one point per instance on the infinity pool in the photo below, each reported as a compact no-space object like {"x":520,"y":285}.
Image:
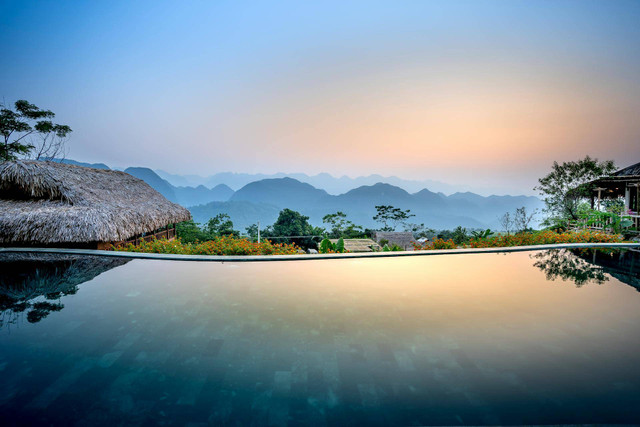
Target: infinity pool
{"x":521,"y":338}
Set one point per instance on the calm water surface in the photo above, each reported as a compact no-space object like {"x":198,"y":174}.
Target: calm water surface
{"x":534,"y":338}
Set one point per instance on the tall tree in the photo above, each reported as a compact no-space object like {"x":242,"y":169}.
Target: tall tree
{"x":341,"y":226}
{"x":568,"y":184}
{"x":390,"y":217}
{"x":522,"y":219}
{"x":220,"y":225}
{"x":28,"y":131}
{"x":292,"y":223}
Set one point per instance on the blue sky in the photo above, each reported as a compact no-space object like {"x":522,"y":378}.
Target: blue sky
{"x":484,"y":91}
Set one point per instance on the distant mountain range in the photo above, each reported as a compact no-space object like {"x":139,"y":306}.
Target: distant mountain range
{"x":186,"y":196}
{"x":262,"y":199}
{"x":436,"y":210}
{"x":329,"y":183}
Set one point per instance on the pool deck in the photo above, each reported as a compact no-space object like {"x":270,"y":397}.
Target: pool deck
{"x":309,"y":257}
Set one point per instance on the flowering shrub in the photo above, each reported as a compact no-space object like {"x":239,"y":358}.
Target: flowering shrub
{"x":225,"y":245}
{"x":544,"y":237}
{"x":435,"y":244}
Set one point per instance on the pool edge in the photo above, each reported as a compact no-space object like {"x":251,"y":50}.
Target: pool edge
{"x":307,"y":257}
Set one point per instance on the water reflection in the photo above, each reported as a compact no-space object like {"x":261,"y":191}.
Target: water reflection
{"x":583,"y":266}
{"x":31,"y":284}
{"x":447,"y":340}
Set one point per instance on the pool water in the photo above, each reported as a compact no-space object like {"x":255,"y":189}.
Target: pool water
{"x":520,"y":338}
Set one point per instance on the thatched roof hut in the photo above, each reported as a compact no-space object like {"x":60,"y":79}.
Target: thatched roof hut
{"x":50,"y":203}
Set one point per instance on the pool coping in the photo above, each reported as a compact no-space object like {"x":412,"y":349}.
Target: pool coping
{"x":309,"y":257}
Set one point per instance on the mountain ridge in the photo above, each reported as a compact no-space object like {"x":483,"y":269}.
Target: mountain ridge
{"x":263,"y":199}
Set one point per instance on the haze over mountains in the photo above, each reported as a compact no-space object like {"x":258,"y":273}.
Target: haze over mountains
{"x":263,"y":198}
{"x":329,"y":183}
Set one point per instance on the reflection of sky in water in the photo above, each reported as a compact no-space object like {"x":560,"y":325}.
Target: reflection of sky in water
{"x":422,"y":340}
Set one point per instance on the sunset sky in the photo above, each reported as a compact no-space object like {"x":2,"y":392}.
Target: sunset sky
{"x":483,"y":93}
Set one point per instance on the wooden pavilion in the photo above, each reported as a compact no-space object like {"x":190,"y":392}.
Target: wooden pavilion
{"x":623,"y":184}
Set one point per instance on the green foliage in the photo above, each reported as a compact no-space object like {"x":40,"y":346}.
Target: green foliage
{"x":252,"y":231}
{"x":190,"y":232}
{"x":383,"y":242}
{"x":225,"y":245}
{"x":458,"y":235}
{"x":615,"y":206}
{"x":545,"y":237}
{"x":340,"y":245}
{"x":292,"y":223}
{"x":482,"y":234}
{"x":612,"y":221}
{"x":341,"y":227}
{"x":18,"y":126}
{"x":220,"y":225}
{"x":567,"y":185}
{"x":390,"y":217}
{"x":326,"y":247}
{"x":386,"y":248}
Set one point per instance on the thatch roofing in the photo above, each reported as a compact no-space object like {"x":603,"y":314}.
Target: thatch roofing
{"x":359,"y":245}
{"x":50,"y":202}
{"x":404,"y":239}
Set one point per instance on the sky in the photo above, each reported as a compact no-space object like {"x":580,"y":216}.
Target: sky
{"x":485,"y":94}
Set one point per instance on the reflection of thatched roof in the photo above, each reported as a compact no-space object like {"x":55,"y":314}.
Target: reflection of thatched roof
{"x":24,"y":276}
{"x":48,"y":202}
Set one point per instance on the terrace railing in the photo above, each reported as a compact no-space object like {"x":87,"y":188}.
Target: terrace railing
{"x":608,"y":224}
{"x":168,"y":233}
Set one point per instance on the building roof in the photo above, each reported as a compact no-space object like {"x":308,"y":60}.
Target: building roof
{"x":633,"y":170}
{"x":616,"y":183}
{"x":50,"y":202}
{"x":404,"y":239}
{"x":359,"y":245}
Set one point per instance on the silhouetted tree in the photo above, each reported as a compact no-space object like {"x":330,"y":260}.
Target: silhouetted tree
{"x":28,"y":131}
{"x":391,"y":217}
